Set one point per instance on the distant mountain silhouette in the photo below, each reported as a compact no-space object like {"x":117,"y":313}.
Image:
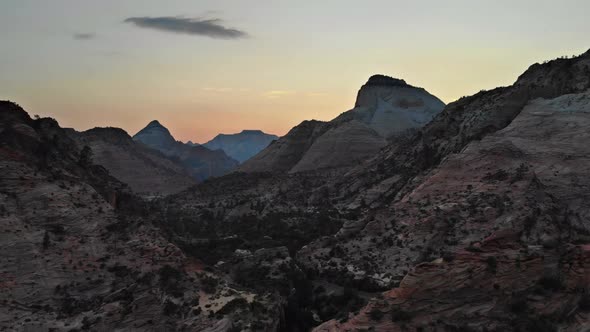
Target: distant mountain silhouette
{"x":200,"y":161}
{"x":241,"y":146}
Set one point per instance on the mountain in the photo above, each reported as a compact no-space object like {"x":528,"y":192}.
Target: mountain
{"x":147,"y":171}
{"x":81,"y":252}
{"x":477,"y":220}
{"x":386,"y":109}
{"x":391,"y":106}
{"x":156,"y":137}
{"x":200,"y":161}
{"x":241,"y":146}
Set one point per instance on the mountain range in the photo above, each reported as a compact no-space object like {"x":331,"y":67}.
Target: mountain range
{"x":402,"y":214}
{"x":241,"y":146}
{"x":200,"y":161}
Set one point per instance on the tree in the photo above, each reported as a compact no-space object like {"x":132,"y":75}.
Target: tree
{"x":85,"y":157}
{"x":46,"y":240}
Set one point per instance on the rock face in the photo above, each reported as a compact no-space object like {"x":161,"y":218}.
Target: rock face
{"x":391,"y":106}
{"x":147,"y":171}
{"x":80,"y":252}
{"x":200,"y":161}
{"x":242,"y":146}
{"x":386,"y":109}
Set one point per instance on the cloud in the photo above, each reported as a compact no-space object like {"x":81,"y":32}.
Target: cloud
{"x":212,"y":28}
{"x":84,"y":36}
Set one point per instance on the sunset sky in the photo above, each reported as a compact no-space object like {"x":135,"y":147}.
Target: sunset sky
{"x":213,"y":66}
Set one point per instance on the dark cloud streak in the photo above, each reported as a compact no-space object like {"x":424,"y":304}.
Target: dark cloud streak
{"x":84,"y":36}
{"x":212,"y":28}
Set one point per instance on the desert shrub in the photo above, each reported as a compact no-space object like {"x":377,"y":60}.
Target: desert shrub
{"x":85,"y":157}
{"x":539,"y":325}
{"x":584,"y":303}
{"x":518,"y":305}
{"x":167,"y":273}
{"x":120,"y":271}
{"x":170,"y":308}
{"x":499,"y":175}
{"x":492,"y":264}
{"x":399,"y":315}
{"x":376,"y":314}
{"x":552,"y":281}
{"x":46,"y":241}
{"x":209,"y":284}
{"x":233,"y":305}
{"x":170,"y":280}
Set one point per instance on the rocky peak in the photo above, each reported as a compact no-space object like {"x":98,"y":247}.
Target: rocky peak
{"x":384,"y":80}
{"x":155,"y":136}
{"x":558,"y":76}
{"x":391,"y":106}
{"x":154,"y":123}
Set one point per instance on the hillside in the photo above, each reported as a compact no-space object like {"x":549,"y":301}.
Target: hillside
{"x":80,"y":252}
{"x":148,"y":172}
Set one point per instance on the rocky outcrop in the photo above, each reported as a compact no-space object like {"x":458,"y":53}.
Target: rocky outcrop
{"x":148,"y":172}
{"x":386,"y":109}
{"x":241,"y":146}
{"x":391,"y":107}
{"x":200,"y":161}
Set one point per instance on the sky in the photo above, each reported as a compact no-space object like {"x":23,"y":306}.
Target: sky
{"x":219,"y":66}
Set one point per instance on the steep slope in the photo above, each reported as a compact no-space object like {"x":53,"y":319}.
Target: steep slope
{"x":148,"y":172}
{"x":283,"y":154}
{"x":200,"y":161}
{"x":386,"y":109}
{"x":79,"y":252}
{"x":241,"y":146}
{"x":340,"y":146}
{"x":498,"y":234}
